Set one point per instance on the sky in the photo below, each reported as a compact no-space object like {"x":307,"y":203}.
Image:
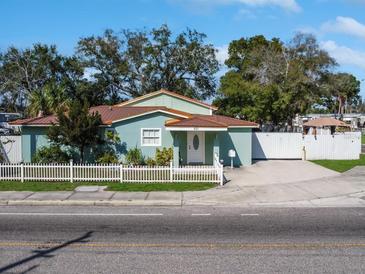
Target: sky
{"x":339,"y":25}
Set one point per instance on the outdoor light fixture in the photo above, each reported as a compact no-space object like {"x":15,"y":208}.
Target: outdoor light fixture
{"x":231,"y":154}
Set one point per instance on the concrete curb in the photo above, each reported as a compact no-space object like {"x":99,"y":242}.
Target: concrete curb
{"x":88,"y":203}
{"x":323,"y":202}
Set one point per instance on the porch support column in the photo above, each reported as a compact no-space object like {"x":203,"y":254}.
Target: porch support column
{"x":216,"y":146}
{"x":176,"y":148}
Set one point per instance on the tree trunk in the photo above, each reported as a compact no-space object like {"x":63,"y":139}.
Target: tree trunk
{"x":82,"y":154}
{"x":340,"y":104}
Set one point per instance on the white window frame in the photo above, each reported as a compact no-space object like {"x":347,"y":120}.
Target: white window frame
{"x":151,"y":145}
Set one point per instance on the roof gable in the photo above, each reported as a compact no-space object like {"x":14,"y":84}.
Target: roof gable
{"x":161,"y":92}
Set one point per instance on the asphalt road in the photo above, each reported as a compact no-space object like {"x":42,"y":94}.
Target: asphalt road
{"x":181,"y":240}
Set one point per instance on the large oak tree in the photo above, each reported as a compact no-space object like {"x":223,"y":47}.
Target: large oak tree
{"x":274,"y":81}
{"x":133,"y":63}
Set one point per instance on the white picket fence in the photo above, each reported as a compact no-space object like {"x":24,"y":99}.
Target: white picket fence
{"x":120,"y":173}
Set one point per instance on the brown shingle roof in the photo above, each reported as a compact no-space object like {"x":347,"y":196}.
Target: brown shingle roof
{"x":325,"y":122}
{"x":109,"y":114}
{"x":217,"y":121}
{"x":174,"y":94}
{"x":45,"y":120}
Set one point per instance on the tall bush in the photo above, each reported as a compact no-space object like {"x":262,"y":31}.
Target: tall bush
{"x":51,"y":154}
{"x":108,"y":157}
{"x":134,"y":156}
{"x":164,"y":156}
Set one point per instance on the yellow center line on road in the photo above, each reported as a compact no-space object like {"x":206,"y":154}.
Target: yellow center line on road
{"x":190,"y":245}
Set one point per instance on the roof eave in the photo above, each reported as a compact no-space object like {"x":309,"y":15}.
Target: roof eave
{"x":175,"y":128}
{"x":253,"y":126}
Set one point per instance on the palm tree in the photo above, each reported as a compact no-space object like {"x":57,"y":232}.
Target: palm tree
{"x":38,"y":104}
{"x":47,"y":100}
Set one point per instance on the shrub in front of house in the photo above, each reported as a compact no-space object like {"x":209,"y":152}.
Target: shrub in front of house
{"x":107,"y":158}
{"x":134,"y":157}
{"x":51,"y":154}
{"x":150,"y":161}
{"x":164,"y":156}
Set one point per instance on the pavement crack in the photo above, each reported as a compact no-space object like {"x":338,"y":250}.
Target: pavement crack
{"x":26,"y":197}
{"x":111,"y":197}
{"x":299,"y":187}
{"x":72,"y":193}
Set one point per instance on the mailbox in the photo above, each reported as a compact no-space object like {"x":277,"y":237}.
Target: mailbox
{"x":231,"y":154}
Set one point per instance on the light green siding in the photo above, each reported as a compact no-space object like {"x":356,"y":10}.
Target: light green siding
{"x":209,"y":143}
{"x":130,"y":133}
{"x":172,"y":102}
{"x":180,"y":139}
{"x":239,"y":139}
{"x":33,"y":138}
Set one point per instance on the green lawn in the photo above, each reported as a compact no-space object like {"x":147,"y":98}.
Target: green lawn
{"x":341,"y":165}
{"x":112,"y":186}
{"x":363,"y":139}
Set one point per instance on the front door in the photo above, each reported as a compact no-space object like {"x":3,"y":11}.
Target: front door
{"x":196,"y":147}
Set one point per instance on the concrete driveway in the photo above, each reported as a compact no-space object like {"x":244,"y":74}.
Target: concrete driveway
{"x":276,"y":172}
{"x":280,"y":183}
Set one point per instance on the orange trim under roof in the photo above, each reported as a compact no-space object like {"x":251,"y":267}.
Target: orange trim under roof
{"x":174,"y":94}
{"x":209,"y":121}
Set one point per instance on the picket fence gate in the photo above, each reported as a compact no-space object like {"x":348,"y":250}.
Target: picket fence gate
{"x":111,"y":172}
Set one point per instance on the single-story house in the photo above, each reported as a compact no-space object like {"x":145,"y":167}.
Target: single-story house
{"x":160,"y":119}
{"x":324,"y":126}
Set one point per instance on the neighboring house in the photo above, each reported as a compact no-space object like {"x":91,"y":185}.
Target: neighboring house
{"x":161,"y":119}
{"x":5,"y":118}
{"x":324,"y":126}
{"x":355,"y":120}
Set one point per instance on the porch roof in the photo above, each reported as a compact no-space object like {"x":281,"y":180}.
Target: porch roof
{"x":208,"y":122}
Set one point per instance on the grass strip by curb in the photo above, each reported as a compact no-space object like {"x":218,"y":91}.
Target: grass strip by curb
{"x":341,"y":165}
{"x":112,"y":186}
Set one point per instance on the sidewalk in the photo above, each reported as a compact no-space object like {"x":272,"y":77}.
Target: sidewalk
{"x":347,"y":189}
{"x":89,"y":198}
{"x":275,"y":183}
{"x":108,"y":198}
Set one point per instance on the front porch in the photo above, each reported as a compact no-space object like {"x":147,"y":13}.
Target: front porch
{"x":198,"y":139}
{"x":195,"y":147}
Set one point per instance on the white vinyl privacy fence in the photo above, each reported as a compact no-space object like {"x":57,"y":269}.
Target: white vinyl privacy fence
{"x":344,"y":146}
{"x":336,"y":147}
{"x":119,"y":173}
{"x":11,"y":148}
